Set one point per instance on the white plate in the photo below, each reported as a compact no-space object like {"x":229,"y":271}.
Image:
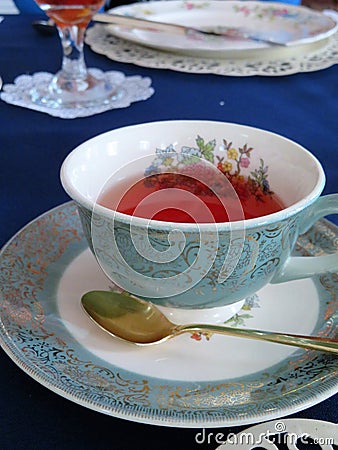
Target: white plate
{"x":117,"y":49}
{"x":184,"y":382}
{"x":298,"y":25}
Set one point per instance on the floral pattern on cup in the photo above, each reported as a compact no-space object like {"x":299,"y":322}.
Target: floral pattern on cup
{"x":190,"y":162}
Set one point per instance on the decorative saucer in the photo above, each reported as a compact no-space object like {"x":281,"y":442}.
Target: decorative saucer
{"x":189,"y":381}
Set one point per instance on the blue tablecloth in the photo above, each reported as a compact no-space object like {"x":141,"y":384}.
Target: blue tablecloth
{"x":302,"y":107}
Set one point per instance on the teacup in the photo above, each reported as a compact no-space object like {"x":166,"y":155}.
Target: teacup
{"x":199,"y":266}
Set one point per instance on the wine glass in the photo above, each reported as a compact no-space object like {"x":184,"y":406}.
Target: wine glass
{"x":73,"y":86}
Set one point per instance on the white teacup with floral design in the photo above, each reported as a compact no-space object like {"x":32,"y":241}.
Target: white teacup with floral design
{"x":200,"y":266}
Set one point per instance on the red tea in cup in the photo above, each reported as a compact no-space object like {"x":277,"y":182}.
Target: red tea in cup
{"x":176,"y":197}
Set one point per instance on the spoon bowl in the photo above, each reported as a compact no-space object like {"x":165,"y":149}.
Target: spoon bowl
{"x":126,"y":317}
{"x":140,"y":322}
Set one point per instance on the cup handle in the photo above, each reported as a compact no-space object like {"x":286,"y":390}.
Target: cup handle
{"x":297,"y":267}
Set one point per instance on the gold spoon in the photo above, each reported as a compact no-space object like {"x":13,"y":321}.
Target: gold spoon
{"x":141,"y":322}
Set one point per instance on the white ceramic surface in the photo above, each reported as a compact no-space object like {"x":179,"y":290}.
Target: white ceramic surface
{"x":296,"y":25}
{"x":183,"y":358}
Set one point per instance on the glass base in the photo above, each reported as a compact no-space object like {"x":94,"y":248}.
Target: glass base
{"x":84,"y":92}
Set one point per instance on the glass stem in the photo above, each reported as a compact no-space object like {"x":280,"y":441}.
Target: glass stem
{"x":73,"y":63}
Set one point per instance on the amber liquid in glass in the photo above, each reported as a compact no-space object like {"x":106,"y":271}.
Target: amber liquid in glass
{"x":70,"y":12}
{"x":73,"y":86}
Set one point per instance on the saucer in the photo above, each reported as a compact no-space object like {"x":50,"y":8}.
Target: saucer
{"x":189,"y":381}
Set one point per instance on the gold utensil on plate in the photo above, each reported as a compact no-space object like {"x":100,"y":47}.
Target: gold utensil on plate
{"x":141,"y":322}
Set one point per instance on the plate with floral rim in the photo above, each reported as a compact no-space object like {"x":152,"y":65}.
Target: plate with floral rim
{"x":186,"y":382}
{"x":296,"y":26}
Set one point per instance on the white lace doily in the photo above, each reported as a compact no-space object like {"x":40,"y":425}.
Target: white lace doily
{"x":134,"y":89}
{"x":117,"y":49}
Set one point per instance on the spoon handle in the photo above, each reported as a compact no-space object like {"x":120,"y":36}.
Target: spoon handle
{"x":308,"y":342}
